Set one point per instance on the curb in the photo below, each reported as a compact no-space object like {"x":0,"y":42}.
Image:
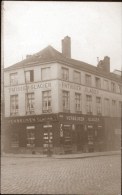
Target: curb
{"x":85,"y":155}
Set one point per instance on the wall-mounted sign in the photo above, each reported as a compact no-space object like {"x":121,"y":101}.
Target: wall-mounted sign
{"x":30,"y":87}
{"x":73,"y":86}
{"x":91,"y":90}
{"x":93,"y":119}
{"x":30,"y":127}
{"x":47,"y":126}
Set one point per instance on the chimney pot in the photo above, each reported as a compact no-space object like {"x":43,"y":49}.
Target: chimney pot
{"x":66,"y":47}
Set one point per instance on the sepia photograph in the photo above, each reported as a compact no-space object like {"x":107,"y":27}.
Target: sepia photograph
{"x":61,"y":97}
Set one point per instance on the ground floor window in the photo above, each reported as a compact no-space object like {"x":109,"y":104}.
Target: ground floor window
{"x":30,"y":137}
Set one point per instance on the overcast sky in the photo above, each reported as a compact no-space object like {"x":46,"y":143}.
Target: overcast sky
{"x":94,"y":27}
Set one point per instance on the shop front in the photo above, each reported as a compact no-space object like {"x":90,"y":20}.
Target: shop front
{"x":54,"y":133}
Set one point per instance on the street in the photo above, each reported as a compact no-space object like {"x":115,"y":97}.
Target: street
{"x":92,"y":176}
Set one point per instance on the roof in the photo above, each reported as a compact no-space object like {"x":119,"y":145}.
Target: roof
{"x":49,"y":54}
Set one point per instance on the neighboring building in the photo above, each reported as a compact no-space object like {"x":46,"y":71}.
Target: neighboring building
{"x":69,"y":105}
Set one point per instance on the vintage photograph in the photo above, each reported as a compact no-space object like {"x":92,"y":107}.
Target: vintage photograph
{"x":61,"y":97}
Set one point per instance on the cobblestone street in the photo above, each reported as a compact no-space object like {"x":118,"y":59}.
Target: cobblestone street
{"x":91,"y":176}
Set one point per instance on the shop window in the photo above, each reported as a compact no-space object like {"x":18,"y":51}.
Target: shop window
{"x":30,"y":103}
{"x":98,"y":105}
{"x":65,"y":74}
{"x":13,"y":78}
{"x":89,"y":104}
{"x":66,"y":100}
{"x":98,"y":82}
{"x":15,"y":140}
{"x":77,"y":102}
{"x":88,"y":80}
{"x":46,"y":101}
{"x":30,"y":137}
{"x":77,"y":77}
{"x":45,"y":73}
{"x":14,"y":107}
{"x":107,"y":107}
{"x":29,"y":76}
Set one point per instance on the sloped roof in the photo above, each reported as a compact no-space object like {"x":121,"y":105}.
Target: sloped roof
{"x":49,"y":54}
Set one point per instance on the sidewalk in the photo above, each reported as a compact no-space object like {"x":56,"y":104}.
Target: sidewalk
{"x":63,"y":156}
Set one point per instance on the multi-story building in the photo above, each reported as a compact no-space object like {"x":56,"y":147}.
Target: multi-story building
{"x":55,"y":102}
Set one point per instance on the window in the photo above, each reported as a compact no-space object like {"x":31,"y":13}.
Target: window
{"x":88,"y":80}
{"x":120,"y":108}
{"x":13,"y":79}
{"x":78,"y":102}
{"x":45,"y":73}
{"x":106,"y":85}
{"x":114,"y":108}
{"x":30,"y":137}
{"x":77,"y":77}
{"x":30,"y":103}
{"x":14,"y":105}
{"x":98,"y":82}
{"x":46,"y":101}
{"x":89,"y":104}
{"x":98,"y":105}
{"x":120,"y":89}
{"x":107,"y":107}
{"x":66,"y":105}
{"x":113,"y":87}
{"x":65,"y":74}
{"x":29,"y":76}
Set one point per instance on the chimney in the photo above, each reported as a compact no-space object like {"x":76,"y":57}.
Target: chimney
{"x":106,"y":63}
{"x":66,"y":47}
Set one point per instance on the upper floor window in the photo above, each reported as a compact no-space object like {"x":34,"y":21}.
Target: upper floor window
{"x":14,"y":105}
{"x":107,"y":107}
{"x":120,"y":89}
{"x":89,"y":104}
{"x":106,"y":85}
{"x":78,"y":102}
{"x":45,"y":73}
{"x":66,"y":101}
{"x":114,"y":108}
{"x":13,"y":79}
{"x":30,"y":103}
{"x":98,"y":105}
{"x":98,"y":82}
{"x":88,"y":80}
{"x":65,"y":74}
{"x":29,"y":76}
{"x":77,"y":77}
{"x":46,"y":101}
{"x":113,"y":87}
{"x":120,"y":108}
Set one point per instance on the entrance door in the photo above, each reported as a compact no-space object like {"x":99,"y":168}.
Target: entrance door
{"x":47,"y":138}
{"x":30,"y":138}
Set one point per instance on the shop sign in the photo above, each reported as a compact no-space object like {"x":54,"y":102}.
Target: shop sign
{"x":34,"y":119}
{"x":95,"y":119}
{"x":73,"y":86}
{"x":91,"y":91}
{"x":74,"y":118}
{"x":90,"y":126}
{"x":34,"y":86}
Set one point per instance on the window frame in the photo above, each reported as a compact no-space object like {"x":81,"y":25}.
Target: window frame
{"x":65,"y":76}
{"x":45,"y":101}
{"x":88,"y":82}
{"x":31,"y":76}
{"x":16,"y":79}
{"x":66,"y":100}
{"x":16,"y":103}
{"x":47,"y":69}
{"x":74,"y":78}
{"x":30,"y":101}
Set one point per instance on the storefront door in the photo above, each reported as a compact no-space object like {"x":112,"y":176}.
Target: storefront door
{"x":47,"y":139}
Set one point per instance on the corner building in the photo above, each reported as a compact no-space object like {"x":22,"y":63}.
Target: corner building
{"x":58,"y":104}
